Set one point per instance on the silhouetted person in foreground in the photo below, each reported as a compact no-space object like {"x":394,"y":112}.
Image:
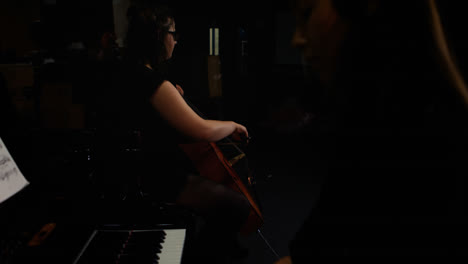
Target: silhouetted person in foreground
{"x":396,"y":122}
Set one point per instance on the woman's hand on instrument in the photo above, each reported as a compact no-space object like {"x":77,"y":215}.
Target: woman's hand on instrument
{"x":240,"y":133}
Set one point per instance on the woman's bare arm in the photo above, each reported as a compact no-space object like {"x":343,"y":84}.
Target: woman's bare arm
{"x":169,"y":103}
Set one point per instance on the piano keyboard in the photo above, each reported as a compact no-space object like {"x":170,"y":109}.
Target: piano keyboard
{"x":164,"y":246}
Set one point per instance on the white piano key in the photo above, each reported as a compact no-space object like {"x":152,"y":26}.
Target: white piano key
{"x":172,"y":247}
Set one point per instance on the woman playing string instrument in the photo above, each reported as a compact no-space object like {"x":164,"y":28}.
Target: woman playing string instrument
{"x":154,"y":105}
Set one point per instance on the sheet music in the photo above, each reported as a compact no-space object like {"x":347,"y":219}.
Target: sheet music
{"x":11,"y":178}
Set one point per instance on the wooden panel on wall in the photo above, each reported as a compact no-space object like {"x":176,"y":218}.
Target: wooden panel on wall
{"x":19,"y":82}
{"x":57,"y":109}
{"x":16,"y":17}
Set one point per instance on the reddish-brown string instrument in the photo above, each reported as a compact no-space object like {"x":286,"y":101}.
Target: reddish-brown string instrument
{"x":212,"y":164}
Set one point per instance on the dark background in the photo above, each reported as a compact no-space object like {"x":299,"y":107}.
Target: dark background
{"x":53,"y":117}
{"x":270,"y":72}
{"x":50,"y":117}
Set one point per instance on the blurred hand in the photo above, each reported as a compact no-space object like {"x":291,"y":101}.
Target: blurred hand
{"x":284,"y":260}
{"x":181,"y":91}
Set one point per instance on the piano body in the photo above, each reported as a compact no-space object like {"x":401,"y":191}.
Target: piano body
{"x":86,"y":244}
{"x":56,"y":219}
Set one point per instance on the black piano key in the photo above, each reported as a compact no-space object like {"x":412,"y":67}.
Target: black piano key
{"x":126,"y":247}
{"x":157,"y":250}
{"x":142,"y":245}
{"x":132,"y":259}
{"x":148,"y":236}
{"x":106,"y":246}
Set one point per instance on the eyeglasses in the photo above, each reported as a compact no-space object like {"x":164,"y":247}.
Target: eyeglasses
{"x":174,"y":34}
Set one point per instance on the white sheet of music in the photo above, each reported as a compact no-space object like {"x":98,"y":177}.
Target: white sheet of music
{"x":11,"y":178}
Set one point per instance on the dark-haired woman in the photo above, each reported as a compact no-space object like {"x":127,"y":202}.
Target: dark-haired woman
{"x":154,"y":105}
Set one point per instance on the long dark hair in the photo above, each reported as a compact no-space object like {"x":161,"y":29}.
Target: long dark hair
{"x":147,"y":25}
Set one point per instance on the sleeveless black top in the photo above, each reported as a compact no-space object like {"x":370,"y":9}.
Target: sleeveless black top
{"x":162,"y":168}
